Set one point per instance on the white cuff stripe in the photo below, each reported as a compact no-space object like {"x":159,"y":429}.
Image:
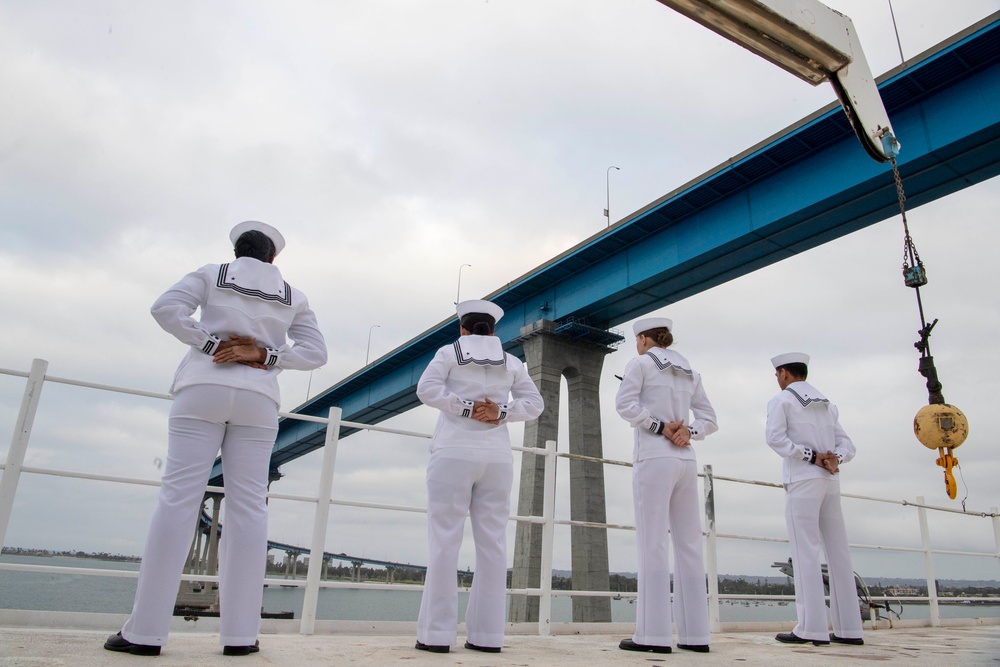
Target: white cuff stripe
{"x":211,"y":345}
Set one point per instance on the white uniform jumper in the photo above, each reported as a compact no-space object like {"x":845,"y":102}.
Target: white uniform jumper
{"x":231,"y":407}
{"x":801,"y":422}
{"x":659,"y":387}
{"x":470,"y":471}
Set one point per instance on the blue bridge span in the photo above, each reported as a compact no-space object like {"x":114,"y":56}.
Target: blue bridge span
{"x":807,"y":185}
{"x":360,"y":560}
{"x":206,"y":528}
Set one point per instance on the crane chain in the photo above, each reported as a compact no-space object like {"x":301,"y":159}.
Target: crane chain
{"x":911,"y":258}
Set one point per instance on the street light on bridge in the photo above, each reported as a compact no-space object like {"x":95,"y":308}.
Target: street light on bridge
{"x":369,"y":349}
{"x":458,"y":292}
{"x":607,"y":182}
{"x":309,"y":386}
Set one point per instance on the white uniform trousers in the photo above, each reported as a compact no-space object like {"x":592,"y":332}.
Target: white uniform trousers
{"x":476,"y":482}
{"x":816,"y":524}
{"x":203,"y":420}
{"x":665,"y":493}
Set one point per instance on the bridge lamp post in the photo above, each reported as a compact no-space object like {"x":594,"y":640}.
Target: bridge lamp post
{"x":607,"y":190}
{"x":369,"y":349}
{"x":459,"y":290}
{"x":310,"y":384}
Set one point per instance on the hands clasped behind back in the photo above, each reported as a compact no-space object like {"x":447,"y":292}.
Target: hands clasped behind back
{"x":829,"y":461}
{"x":486,"y":411}
{"x":241,"y":350}
{"x":677,"y":433}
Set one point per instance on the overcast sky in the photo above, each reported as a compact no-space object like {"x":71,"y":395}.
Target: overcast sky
{"x":393,"y":142}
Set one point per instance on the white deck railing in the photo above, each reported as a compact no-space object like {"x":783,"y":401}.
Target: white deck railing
{"x":14,"y":466}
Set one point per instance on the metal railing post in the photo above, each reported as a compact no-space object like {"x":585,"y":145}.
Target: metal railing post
{"x":311,"y":598}
{"x":711,"y":552}
{"x":19,"y":442}
{"x":925,"y":539}
{"x":548,"y":514}
{"x":996,"y":530}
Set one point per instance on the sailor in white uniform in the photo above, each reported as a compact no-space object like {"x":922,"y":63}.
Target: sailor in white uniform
{"x":803,"y":427}
{"x":226,"y":398}
{"x":479,"y":389}
{"x":665,"y":401}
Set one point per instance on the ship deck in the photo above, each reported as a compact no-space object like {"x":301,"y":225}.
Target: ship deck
{"x":379,"y":644}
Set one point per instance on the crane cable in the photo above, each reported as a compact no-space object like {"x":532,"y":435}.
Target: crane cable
{"x":915,"y":276}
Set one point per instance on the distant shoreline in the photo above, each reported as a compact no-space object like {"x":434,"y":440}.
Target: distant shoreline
{"x":47,"y":553}
{"x":946,"y":587}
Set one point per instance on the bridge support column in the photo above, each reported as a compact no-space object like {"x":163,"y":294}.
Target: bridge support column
{"x":196,"y":594}
{"x":356,"y":571}
{"x":291,"y":564}
{"x":212,"y":564}
{"x":195,"y":558}
{"x":550,"y":355}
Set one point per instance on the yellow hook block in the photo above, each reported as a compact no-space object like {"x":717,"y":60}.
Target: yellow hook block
{"x":947,"y":461}
{"x":942,"y":427}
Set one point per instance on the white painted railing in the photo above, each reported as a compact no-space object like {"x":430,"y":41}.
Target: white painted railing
{"x":14,"y":466}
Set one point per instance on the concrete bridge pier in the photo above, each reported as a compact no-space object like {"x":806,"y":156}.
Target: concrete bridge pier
{"x":574,"y":351}
{"x":193,"y":563}
{"x":356,"y":570}
{"x":189,"y":592}
{"x":203,"y":558}
{"x":291,"y":564}
{"x":212,"y":559}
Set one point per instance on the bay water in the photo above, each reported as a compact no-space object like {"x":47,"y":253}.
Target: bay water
{"x":89,"y":593}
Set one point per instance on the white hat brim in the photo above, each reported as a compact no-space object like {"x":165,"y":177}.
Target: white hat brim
{"x":255,"y":225}
{"x":790,"y":358}
{"x":648,"y":323}
{"x":479,"y":306}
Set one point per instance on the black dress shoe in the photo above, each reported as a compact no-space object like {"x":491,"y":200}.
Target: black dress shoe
{"x":697,"y":648}
{"x":846,"y":640}
{"x":792,"y":638}
{"x":629,"y":645}
{"x":241,"y":650}
{"x":122,"y":645}
{"x":432,"y":648}
{"x":484,"y":649}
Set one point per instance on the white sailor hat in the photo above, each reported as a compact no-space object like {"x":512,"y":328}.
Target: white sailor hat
{"x":647,"y":323}
{"x":267,"y":230}
{"x":479,"y":306}
{"x":790,"y":358}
